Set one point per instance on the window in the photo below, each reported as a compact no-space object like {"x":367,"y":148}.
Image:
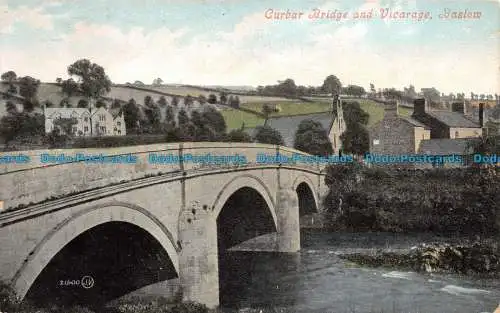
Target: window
{"x":456,"y":134}
{"x":86,"y":129}
{"x":115,"y":129}
{"x":74,"y":129}
{"x":86,"y":119}
{"x":119,"y":132}
{"x":103,"y":129}
{"x":119,"y":124}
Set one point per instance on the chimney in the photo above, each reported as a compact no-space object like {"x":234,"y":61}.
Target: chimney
{"x":391,"y":109}
{"x":419,"y":106}
{"x":459,"y":107}
{"x":481,"y":114}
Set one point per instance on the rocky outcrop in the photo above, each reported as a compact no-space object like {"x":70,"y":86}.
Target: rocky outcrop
{"x":477,"y":258}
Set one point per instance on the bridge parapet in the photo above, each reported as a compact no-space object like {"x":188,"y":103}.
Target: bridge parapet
{"x":37,"y":181}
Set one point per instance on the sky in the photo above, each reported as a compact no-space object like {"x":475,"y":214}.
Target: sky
{"x":233,"y":42}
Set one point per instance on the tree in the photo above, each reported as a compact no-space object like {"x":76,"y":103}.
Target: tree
{"x":235,"y":102}
{"x":131,"y":114}
{"x":355,"y":139}
{"x":188,"y":101}
{"x":162,"y":102}
{"x":169,"y":115}
{"x":65,"y":103}
{"x":223,"y":98}
{"x":238,"y":135}
{"x":82,"y":104}
{"x":157,"y":81}
{"x":266,"y":134}
{"x":148,"y":101}
{"x":287,"y":87}
{"x":9,"y":77}
{"x":59,"y":80}
{"x":175,"y":101}
{"x":356,"y":91}
{"x":21,"y":125}
{"x":69,"y":87}
{"x":432,"y":94}
{"x":266,"y":110}
{"x":12,"y":89}
{"x":182,"y":118}
{"x":215,"y":120}
{"x":212,"y":99}
{"x":332,"y":85}
{"x":153,"y":116}
{"x":372,"y":89}
{"x":10,"y":107}
{"x":99,"y":104}
{"x":116,"y":104}
{"x":312,"y":138}
{"x":410,"y":92}
{"x":138,"y":83}
{"x":354,"y":114}
{"x":392,"y":93}
{"x":65,"y":125}
{"x":28,"y":87}
{"x":92,"y":78}
{"x":202,"y":99}
{"x":48,"y":104}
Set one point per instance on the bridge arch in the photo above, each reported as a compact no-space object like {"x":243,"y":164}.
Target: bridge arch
{"x":245,"y":181}
{"x":81,"y":222}
{"x":305,"y":187}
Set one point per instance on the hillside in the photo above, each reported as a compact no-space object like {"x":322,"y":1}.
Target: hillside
{"x":234,"y":118}
{"x":183,"y":90}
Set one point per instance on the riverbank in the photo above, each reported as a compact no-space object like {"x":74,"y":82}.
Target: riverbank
{"x":481,"y":259}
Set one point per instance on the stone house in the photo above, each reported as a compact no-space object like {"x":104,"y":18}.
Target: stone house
{"x":449,"y":124}
{"x":395,"y":134}
{"x":337,"y":126}
{"x":89,"y":122}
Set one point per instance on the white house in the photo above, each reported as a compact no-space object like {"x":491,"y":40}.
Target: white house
{"x":93,"y":122}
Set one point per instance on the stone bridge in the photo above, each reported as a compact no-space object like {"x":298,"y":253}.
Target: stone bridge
{"x":132,"y":225}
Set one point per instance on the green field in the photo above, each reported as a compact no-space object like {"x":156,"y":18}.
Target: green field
{"x":292,"y":108}
{"x":235,"y":118}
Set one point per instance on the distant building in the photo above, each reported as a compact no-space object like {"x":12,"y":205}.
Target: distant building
{"x":396,"y":134}
{"x":337,"y":126}
{"x":449,"y":124}
{"x":89,"y":122}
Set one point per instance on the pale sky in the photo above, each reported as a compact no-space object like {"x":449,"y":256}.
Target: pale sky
{"x":217,"y":42}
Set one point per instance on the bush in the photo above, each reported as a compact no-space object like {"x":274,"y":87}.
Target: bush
{"x":266,"y":134}
{"x":458,"y":201}
{"x":238,"y":135}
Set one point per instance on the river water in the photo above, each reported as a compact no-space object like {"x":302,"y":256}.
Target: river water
{"x":317,"y":280}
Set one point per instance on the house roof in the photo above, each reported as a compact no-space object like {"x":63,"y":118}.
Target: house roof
{"x":445,"y":146}
{"x":413,"y":122}
{"x":453,"y":119}
{"x":115,"y":112}
{"x":65,"y":112}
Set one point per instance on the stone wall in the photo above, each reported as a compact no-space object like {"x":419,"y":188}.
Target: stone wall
{"x":35,"y":181}
{"x":394,"y":135}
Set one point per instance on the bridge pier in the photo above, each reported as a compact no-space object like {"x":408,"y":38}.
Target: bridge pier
{"x":198,"y":259}
{"x":287,"y":211}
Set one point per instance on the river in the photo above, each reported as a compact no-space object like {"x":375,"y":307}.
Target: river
{"x":317,"y":280}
